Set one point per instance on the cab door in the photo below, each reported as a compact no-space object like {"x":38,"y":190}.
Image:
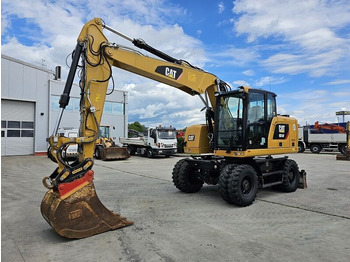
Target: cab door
{"x":261,"y":108}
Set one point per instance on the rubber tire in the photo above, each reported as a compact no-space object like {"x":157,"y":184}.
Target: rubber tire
{"x":231,"y":181}
{"x":342,"y":148}
{"x":316,"y":149}
{"x":131,"y":150}
{"x":98,"y":152}
{"x":301,"y":148}
{"x":149,"y":153}
{"x":183,"y":180}
{"x":290,"y":176}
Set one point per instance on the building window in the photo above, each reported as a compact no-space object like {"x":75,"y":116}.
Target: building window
{"x":26,"y":124}
{"x":118,"y":109}
{"x":76,"y":104}
{"x":110,"y":108}
{"x":17,"y":128}
{"x":107,"y":108}
{"x":27,"y":133}
{"x":55,"y":102}
{"x":13,"y":133}
{"x":114,"y":108}
{"x":13,"y":124}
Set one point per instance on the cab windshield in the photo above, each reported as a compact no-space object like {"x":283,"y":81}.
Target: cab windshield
{"x":104,"y":131}
{"x":230,"y":122}
{"x":166,"y":134}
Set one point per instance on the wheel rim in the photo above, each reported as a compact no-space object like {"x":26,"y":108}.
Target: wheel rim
{"x":246,"y":186}
{"x":314,"y":149}
{"x":291,"y":176}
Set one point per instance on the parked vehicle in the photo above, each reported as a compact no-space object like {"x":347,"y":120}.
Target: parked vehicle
{"x":105,"y":147}
{"x":155,"y":141}
{"x":316,"y":138}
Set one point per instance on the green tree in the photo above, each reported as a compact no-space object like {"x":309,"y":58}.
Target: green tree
{"x":137,"y":126}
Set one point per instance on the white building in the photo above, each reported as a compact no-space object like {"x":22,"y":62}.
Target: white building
{"x":29,"y":108}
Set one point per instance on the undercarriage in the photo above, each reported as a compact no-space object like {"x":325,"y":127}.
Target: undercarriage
{"x":238,"y":179}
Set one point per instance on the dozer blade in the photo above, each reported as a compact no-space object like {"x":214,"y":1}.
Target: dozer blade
{"x":114,"y":153}
{"x":79,"y":214}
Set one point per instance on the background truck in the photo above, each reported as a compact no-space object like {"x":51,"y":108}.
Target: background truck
{"x":318,"y":137}
{"x":154,"y":141}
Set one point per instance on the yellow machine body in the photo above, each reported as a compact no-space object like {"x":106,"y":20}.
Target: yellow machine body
{"x":196,"y":140}
{"x":282,"y":139}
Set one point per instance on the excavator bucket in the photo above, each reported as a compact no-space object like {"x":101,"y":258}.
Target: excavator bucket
{"x":76,"y":211}
{"x":114,"y":153}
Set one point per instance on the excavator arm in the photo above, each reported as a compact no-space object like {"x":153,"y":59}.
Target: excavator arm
{"x":71,"y":205}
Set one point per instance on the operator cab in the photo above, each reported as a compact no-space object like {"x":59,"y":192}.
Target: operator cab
{"x":243,"y":118}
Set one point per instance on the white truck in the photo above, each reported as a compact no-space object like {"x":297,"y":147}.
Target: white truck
{"x":155,"y":141}
{"x":316,"y":140}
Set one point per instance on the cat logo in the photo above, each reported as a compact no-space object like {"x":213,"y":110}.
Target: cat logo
{"x":170,"y":71}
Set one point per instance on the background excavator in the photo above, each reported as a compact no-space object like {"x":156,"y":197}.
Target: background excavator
{"x":332,"y":127}
{"x":242,"y":132}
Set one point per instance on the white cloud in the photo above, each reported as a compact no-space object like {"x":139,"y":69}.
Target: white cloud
{"x":248,"y":72}
{"x":269,"y":80}
{"x":338,"y":82}
{"x":310,"y":31}
{"x":310,"y":105}
{"x":221,"y":7}
{"x":240,"y":83}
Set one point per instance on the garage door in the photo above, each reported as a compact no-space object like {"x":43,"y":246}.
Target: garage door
{"x":17,"y":128}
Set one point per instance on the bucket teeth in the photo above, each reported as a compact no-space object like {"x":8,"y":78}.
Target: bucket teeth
{"x":81,"y":214}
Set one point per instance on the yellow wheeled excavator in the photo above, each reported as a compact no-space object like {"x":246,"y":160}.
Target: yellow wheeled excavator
{"x":242,"y":133}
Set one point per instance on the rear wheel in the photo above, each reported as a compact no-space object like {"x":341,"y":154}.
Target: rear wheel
{"x":131,"y":150}
{"x":183,"y":178}
{"x":290,"y":176}
{"x":238,"y":184}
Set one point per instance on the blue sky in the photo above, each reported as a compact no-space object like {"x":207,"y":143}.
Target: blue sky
{"x":298,"y":49}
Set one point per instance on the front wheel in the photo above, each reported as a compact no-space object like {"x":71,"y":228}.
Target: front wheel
{"x":150,"y":153}
{"x":342,"y":148}
{"x":183,"y":178}
{"x":98,"y":152}
{"x":238,"y":184}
